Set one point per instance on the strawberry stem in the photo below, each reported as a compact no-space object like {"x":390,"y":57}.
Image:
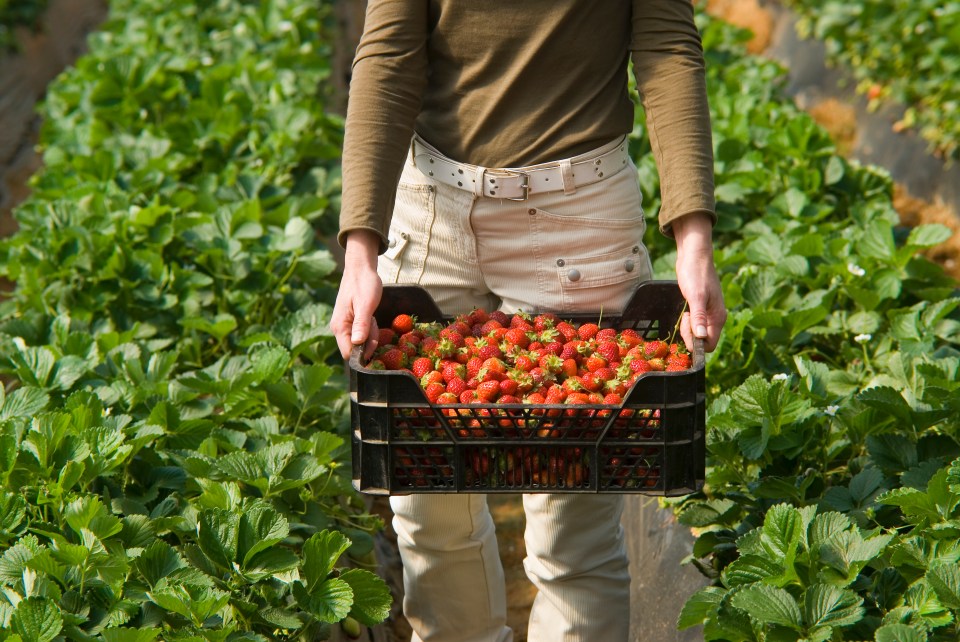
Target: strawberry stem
{"x":679,"y":319}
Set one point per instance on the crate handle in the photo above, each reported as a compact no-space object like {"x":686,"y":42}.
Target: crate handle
{"x":699,"y":358}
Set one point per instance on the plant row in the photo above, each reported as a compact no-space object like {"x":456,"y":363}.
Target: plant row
{"x":171,"y":445}
{"x":906,"y":50}
{"x":15,"y":14}
{"x":831,"y":509}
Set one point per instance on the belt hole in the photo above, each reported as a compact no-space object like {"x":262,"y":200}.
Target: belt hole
{"x":459,"y":184}
{"x":531,"y":211}
{"x":460,"y":170}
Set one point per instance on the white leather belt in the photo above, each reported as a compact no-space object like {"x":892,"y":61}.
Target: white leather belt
{"x":517,"y":184}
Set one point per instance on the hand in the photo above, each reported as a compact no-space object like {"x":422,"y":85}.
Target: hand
{"x":697,"y":277}
{"x":360,"y":290}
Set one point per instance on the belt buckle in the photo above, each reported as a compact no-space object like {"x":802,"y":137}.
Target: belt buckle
{"x":525,"y":185}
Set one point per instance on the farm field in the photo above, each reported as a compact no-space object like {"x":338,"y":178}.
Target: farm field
{"x":174,"y":423}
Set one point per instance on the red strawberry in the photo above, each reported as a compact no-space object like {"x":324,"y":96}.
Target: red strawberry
{"x":394,"y":359}
{"x":494,"y":365}
{"x":567,"y":330}
{"x":524,"y":362}
{"x":606,"y":334}
{"x":447,"y":397}
{"x":678,"y":361}
{"x":488,"y":390}
{"x":490,"y":350}
{"x":544,"y":321}
{"x":457,"y":386}
{"x":432,"y":376}
{"x":656,"y":349}
{"x":452,"y":371}
{"x":630,"y":337}
{"x":421,"y":366}
{"x":468,"y":396}
{"x":386,"y":336}
{"x":657,"y":364}
{"x":569,"y":368}
{"x":402,"y":323}
{"x":613,"y":399}
{"x":594,"y":362}
{"x":551,"y":363}
{"x":433,"y":391}
{"x":509,"y":386}
{"x":518,"y":337}
{"x":587,"y":331}
{"x":500,"y":317}
{"x":610,"y":350}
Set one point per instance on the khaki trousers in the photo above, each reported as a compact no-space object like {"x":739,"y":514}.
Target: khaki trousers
{"x":574,"y":251}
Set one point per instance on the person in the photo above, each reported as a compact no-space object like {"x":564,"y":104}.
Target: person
{"x":485,"y":159}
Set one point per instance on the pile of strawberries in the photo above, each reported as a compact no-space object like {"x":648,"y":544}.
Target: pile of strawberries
{"x":494,"y":357}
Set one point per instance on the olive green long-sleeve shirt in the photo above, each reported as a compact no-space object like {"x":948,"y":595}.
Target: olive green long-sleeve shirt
{"x":508,"y":83}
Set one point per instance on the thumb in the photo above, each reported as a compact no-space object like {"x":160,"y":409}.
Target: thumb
{"x":698,"y":322}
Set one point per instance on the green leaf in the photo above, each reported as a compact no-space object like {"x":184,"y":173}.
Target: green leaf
{"x":700,"y":606}
{"x":157,"y":561}
{"x":37,"y":619}
{"x":899,"y":633}
{"x":259,"y":528}
{"x":945,"y":580}
{"x":269,"y":363}
{"x":371,"y":596}
{"x":748,"y":569}
{"x":13,"y":510}
{"x":825,"y":527}
{"x":769,"y":605}
{"x":24,"y":402}
{"x":270,"y":562}
{"x":330,"y":601}
{"x":928,"y":235}
{"x":217,"y":534}
{"x":130,"y":635}
{"x":782,"y":531}
{"x":826,"y":605}
{"x":320,"y":553}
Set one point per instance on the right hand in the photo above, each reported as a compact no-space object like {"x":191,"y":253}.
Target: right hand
{"x":359,"y":295}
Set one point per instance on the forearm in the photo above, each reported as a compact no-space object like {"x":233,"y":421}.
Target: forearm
{"x":669,"y":68}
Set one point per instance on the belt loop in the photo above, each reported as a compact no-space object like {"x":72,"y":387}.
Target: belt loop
{"x":566,"y":173}
{"x":478,"y":181}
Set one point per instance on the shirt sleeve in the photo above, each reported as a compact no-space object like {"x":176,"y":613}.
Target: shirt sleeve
{"x":668,"y":64}
{"x":389,"y":76}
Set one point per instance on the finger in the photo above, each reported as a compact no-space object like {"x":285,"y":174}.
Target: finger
{"x":685,"y":331}
{"x":372,"y":341}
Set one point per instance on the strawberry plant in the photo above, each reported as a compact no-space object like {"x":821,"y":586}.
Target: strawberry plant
{"x":171,"y":429}
{"x":15,"y":14}
{"x":907,"y":51}
{"x":833,"y":389}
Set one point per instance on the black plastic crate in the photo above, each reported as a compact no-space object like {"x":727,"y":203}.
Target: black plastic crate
{"x":652,"y":444}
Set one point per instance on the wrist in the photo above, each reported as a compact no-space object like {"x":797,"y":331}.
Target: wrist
{"x":693,"y":233}
{"x":362,"y":248}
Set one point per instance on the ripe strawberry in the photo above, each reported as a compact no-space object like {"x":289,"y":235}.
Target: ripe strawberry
{"x":613,"y":399}
{"x":433,"y":391}
{"x":606,"y":334}
{"x":545,"y":321}
{"x":386,"y":336}
{"x":551,"y":363}
{"x":556,"y":394}
{"x":517,"y":337}
{"x":508,"y":386}
{"x":657,"y":364}
{"x":656,"y":349}
{"x":588,"y":331}
{"x":468,"y":396}
{"x":640,"y":366}
{"x":678,"y":361}
{"x":452,"y":371}
{"x":604,"y":374}
{"x":433,"y":376}
{"x":490,"y":326}
{"x":488,"y":390}
{"x":447,"y":397}
{"x":571,"y":350}
{"x":609,"y":350}
{"x":494,"y":365}
{"x":630,"y":337}
{"x":473,"y":366}
{"x":421,"y":366}
{"x":478,"y":315}
{"x":457,"y":386}
{"x":594,"y":362}
{"x":490,"y":350}
{"x":394,"y":359}
{"x":508,"y":399}
{"x":500,"y":317}
{"x":569,"y":368}
{"x":524,"y":362}
{"x":402,"y":323}
{"x":567,"y":330}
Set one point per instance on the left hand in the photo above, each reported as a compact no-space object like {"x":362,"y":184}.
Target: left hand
{"x":698,"y":280}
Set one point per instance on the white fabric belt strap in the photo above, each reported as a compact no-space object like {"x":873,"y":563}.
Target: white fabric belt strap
{"x":518,"y":183}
